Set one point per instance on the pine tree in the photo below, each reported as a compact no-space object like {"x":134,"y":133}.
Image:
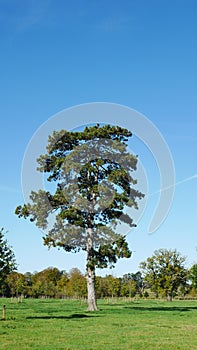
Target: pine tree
{"x":92,"y":170}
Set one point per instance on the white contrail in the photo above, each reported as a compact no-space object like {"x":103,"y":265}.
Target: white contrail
{"x":177,"y":183}
{"x":186,"y":180}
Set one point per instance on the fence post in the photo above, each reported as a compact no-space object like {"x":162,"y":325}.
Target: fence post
{"x":4,"y":312}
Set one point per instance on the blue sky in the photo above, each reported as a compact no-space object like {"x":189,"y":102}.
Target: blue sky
{"x":141,"y":54}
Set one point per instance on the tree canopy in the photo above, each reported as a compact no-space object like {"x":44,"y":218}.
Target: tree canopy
{"x":92,"y":170}
{"x":165,"y":272}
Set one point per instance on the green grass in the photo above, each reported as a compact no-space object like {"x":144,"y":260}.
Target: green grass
{"x":63,"y":324}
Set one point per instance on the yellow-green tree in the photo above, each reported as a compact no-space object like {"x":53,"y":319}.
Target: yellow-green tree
{"x":165,"y":272}
{"x":44,"y":282}
{"x":76,"y":286}
{"x":17,"y":283}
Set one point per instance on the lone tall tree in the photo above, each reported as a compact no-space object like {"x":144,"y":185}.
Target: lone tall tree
{"x":92,"y":172}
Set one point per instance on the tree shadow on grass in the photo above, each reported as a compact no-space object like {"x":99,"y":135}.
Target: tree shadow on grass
{"x":47,"y":317}
{"x":164,"y":308}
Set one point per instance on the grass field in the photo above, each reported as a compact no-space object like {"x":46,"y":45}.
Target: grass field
{"x":63,"y":324}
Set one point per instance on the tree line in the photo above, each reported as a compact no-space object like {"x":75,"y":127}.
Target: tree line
{"x":53,"y":283}
{"x":162,"y":275}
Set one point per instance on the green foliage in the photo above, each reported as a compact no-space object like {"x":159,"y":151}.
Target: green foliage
{"x":52,"y":283}
{"x":7,"y":262}
{"x":108,"y":254}
{"x":17,"y":284}
{"x":165,"y":272}
{"x":79,"y":164}
{"x":44,"y":283}
{"x":133,"y":284}
{"x":92,"y":171}
{"x":112,"y":286}
{"x":193,"y":276}
{"x":76,"y":286}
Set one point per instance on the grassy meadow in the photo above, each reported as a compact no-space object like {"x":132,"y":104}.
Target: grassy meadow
{"x":65,"y":324}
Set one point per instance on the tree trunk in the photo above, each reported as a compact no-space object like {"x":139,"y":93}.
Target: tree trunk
{"x":91,"y":290}
{"x":90,"y":273}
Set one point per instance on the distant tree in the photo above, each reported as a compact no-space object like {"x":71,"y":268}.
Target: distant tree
{"x":62,"y":285}
{"x":28,"y":283}
{"x":193,"y":276}
{"x":185,"y":288}
{"x":92,"y":170}
{"x":112,"y":285}
{"x":132,"y":284}
{"x":128,"y":286}
{"x":101,"y":287}
{"x":165,"y":272}
{"x":44,"y":282}
{"x":76,"y":286}
{"x":17,"y":284}
{"x":140,"y":283}
{"x":38,"y":285}
{"x":7,"y":262}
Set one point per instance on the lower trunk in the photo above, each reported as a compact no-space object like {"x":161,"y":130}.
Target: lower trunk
{"x":90,"y":271}
{"x":91,"y":289}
